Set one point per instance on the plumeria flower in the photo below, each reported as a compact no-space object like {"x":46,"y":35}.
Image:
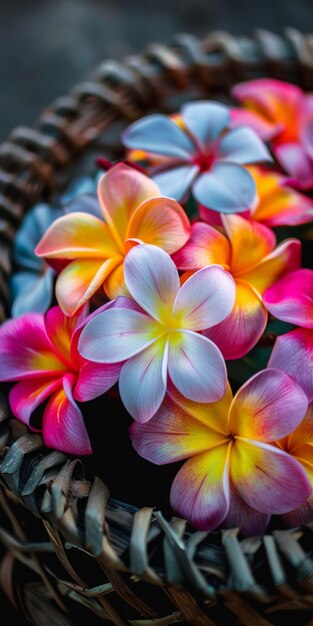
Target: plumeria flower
{"x":40,"y":352}
{"x":247,"y":251}
{"x":282,"y":113}
{"x":233,"y":473}
{"x":32,"y":284}
{"x":201,"y":154}
{"x":277,"y":203}
{"x":95,"y":248}
{"x":293,"y":354}
{"x":156,"y":332}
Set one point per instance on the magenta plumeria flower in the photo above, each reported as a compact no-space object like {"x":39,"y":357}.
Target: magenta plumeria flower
{"x":282,"y":114}
{"x":233,"y":473}
{"x":291,"y":299}
{"x":155,"y":333}
{"x":201,"y":153}
{"x":40,"y":352}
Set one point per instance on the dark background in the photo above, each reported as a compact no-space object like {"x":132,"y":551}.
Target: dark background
{"x":46,"y":46}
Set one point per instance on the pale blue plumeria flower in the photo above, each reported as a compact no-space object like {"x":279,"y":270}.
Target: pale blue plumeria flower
{"x":204,"y":155}
{"x":32,"y":285}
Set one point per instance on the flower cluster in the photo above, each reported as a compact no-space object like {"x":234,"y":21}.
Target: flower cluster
{"x":179,"y":304}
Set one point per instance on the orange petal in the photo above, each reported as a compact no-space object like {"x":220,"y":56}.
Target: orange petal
{"x":162,"y":222}
{"x":114,"y":284}
{"x":80,"y":280}
{"x":75,"y":236}
{"x":120,"y":192}
{"x":279,"y":204}
{"x":285,"y":258}
{"x":250,"y":242}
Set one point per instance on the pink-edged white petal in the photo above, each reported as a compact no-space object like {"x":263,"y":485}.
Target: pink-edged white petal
{"x":258,"y":410}
{"x":291,"y":298}
{"x":268,"y":479}
{"x":173,"y":435}
{"x":252,"y":523}
{"x":116,"y":335}
{"x":152,"y":279}
{"x":196,"y":367}
{"x":27,"y":395}
{"x":159,"y":135}
{"x":205,"y":121}
{"x":200,"y":491}
{"x":293,"y":354}
{"x":242,"y":145}
{"x":143,"y":381}
{"x":94,"y":379}
{"x":176,"y":181}
{"x":206,"y":298}
{"x":26,"y":351}
{"x":237,"y":196}
{"x":63,"y":424}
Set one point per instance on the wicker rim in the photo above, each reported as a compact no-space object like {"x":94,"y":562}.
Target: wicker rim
{"x":30,"y":162}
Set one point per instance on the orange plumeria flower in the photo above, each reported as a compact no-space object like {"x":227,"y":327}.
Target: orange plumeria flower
{"x":134,"y":212}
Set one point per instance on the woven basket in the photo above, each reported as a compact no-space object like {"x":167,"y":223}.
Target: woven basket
{"x":69,"y":552}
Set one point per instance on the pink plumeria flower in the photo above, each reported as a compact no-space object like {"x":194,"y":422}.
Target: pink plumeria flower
{"x":293,"y":354}
{"x":156,"y":332}
{"x":40,"y":352}
{"x":248,"y":252}
{"x":233,"y":474}
{"x":278,"y":204}
{"x":131,"y":210}
{"x":281,"y":113}
{"x":201,"y":154}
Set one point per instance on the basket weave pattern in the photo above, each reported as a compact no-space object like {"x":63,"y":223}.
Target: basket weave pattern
{"x":145,"y":570}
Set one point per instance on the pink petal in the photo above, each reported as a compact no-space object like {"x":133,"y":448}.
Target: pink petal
{"x":117,"y":334}
{"x":284,"y":259}
{"x":258,"y":410}
{"x":302,"y":515}
{"x":206,"y":246}
{"x":200,"y":491}
{"x":240,"y":331}
{"x":252,"y":523}
{"x":121,"y":190}
{"x":291,"y":298}
{"x":63,"y":423}
{"x":278,"y":101}
{"x":159,"y":135}
{"x":152,"y":279}
{"x":268,"y":479}
{"x":295,"y":160}
{"x":95,"y":379}
{"x":293,"y":354}
{"x":206,"y":298}
{"x":196,"y":367}
{"x":26,"y":351}
{"x":143,"y":381}
{"x":263,"y":127}
{"x":27,"y":395}
{"x":172,"y":435}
